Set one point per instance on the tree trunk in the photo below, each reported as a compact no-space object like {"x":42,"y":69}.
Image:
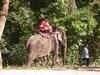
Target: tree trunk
{"x":3,"y":15}
{"x":72,"y":6}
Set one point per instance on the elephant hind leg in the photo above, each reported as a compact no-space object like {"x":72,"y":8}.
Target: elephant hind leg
{"x":30,"y":59}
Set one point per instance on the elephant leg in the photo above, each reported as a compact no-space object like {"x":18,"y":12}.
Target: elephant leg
{"x":54,"y":58}
{"x":45,"y":60}
{"x":55,"y":51}
{"x":63,"y":54}
{"x":30,"y":59}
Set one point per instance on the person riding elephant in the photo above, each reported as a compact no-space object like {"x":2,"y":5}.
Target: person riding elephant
{"x":44,"y":27}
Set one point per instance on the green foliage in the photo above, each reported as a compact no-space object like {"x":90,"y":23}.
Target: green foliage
{"x":80,"y":29}
{"x":19,"y":27}
{"x":83,"y":20}
{"x":82,"y":26}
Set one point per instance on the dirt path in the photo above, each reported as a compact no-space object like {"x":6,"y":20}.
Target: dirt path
{"x":55,"y":71}
{"x":47,"y":72}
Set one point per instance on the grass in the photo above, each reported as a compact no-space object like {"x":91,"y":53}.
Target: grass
{"x":24,"y":68}
{"x":38,"y":67}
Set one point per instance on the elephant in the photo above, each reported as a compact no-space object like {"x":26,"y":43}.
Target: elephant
{"x":40,"y":46}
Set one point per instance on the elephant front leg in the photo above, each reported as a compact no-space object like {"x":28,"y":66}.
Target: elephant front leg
{"x":54,"y":59}
{"x":45,"y":60}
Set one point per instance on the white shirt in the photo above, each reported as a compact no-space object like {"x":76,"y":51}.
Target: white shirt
{"x":85,"y":53}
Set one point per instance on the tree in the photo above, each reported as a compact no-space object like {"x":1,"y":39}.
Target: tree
{"x":3,"y":16}
{"x":72,"y":6}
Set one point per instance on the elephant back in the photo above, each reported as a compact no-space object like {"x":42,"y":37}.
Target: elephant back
{"x":40,"y":45}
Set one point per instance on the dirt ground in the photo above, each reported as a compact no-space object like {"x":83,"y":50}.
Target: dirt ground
{"x":53,"y":71}
{"x":77,"y":68}
{"x":56,"y":68}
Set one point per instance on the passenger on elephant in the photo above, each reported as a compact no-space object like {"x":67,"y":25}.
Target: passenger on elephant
{"x":54,"y":30}
{"x":57,"y":31}
{"x":44,"y":28}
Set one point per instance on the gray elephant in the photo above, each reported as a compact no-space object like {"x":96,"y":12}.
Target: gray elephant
{"x":40,"y":46}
